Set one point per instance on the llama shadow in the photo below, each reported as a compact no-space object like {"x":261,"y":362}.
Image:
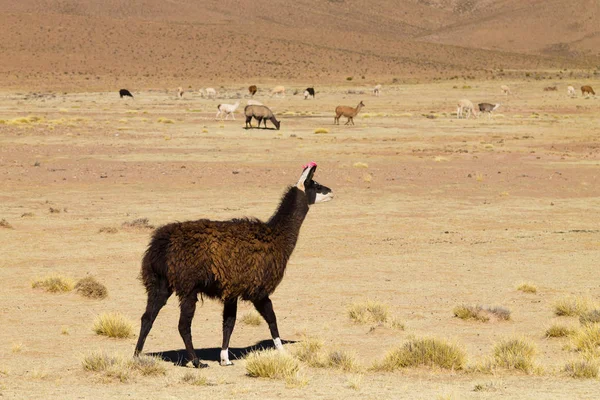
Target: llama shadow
{"x":254,"y":127}
{"x":178,"y":357}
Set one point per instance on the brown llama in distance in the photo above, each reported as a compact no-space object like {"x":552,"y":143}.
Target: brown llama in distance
{"x":587,"y":90}
{"x":347,"y":112}
{"x":252,"y":90}
{"x":225,"y":260}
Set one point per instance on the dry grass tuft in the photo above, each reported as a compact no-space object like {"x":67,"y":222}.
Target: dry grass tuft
{"x":91,"y":288}
{"x":17,"y":347}
{"x":139,"y":223}
{"x":471,"y":312}
{"x":427,"y":352}
{"x":369,"y":312}
{"x":587,"y":338}
{"x":5,"y":224}
{"x":309,"y":350}
{"x":321,"y":130}
{"x":54,"y":284}
{"x":590,"y":317}
{"x":108,"y":229}
{"x":113,"y":325}
{"x":487,"y":387}
{"x":163,"y":120}
{"x":252,"y":318}
{"x":27,"y":215}
{"x":501,"y":313}
{"x":527,"y":288}
{"x":573,"y":306}
{"x":559,"y":331}
{"x":121,"y":368}
{"x":53,"y":210}
{"x":360,"y":165}
{"x":64,"y":331}
{"x":516,"y":353}
{"x":584,"y":369}
{"x":354,"y":381}
{"x":272,"y":364}
{"x":192,"y":378}
{"x":342,"y":360}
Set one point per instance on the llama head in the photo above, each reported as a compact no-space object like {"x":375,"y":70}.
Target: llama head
{"x":276,"y":123}
{"x":496,"y":106}
{"x":315,"y":192}
{"x":361,"y":104}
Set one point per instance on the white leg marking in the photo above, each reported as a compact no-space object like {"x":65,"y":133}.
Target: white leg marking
{"x":225,"y":358}
{"x":278,"y":344}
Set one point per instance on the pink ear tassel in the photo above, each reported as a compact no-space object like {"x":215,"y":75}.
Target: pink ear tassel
{"x":310,"y":164}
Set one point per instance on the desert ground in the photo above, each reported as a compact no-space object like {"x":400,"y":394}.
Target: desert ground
{"x":430,"y":212}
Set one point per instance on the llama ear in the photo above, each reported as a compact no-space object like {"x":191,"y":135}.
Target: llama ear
{"x":307,"y":174}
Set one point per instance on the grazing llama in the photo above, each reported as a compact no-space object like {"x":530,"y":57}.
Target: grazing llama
{"x":488,"y":108}
{"x":225,"y":260}
{"x":505,"y":89}
{"x":571,"y":91}
{"x":587,"y":90}
{"x":465,"y":106}
{"x":377,"y":90}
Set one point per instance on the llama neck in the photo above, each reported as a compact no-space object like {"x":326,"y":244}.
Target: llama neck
{"x":288,"y":218}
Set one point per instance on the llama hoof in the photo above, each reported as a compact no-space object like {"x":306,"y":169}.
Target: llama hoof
{"x":198,"y":364}
{"x":226,"y":363}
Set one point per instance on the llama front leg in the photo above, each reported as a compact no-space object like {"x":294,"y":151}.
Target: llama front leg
{"x":229,"y":315}
{"x":188,"y":308}
{"x":157,"y":298}
{"x":265,"y":309}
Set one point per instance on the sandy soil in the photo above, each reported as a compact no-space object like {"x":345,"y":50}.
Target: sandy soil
{"x":441,"y":212}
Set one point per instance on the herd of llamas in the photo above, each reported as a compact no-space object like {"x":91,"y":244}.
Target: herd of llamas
{"x":243,"y":258}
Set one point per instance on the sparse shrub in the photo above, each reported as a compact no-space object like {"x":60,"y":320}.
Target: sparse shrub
{"x":163,"y":120}
{"x":113,"y":325}
{"x":470,"y":312}
{"x":54,"y":284}
{"x":5,"y":224}
{"x":354,"y":381}
{"x":349,"y":78}
{"x":108,"y":229}
{"x":251,"y":318}
{"x":342,"y":360}
{"x":99,"y":361}
{"x":272,"y":364}
{"x":584,"y":369}
{"x":590,"y":317}
{"x":527,"y":288}
{"x":27,"y":215}
{"x":360,"y":165}
{"x":148,"y":365}
{"x":516,"y":354}
{"x":395,"y":323}
{"x":139,"y":223}
{"x":53,"y":210}
{"x":369,"y":312}
{"x":17,"y":347}
{"x":558,"y":331}
{"x":321,"y":130}
{"x":500,"y":312}
{"x":427,"y":352}
{"x":573,"y":306}
{"x":486,"y":387}
{"x":587,"y":338}
{"x":90,"y":287}
{"x":309,"y":350}
{"x":64,"y":331}
{"x":192,"y":378}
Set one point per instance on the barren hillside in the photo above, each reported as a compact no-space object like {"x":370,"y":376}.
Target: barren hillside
{"x":100,"y":44}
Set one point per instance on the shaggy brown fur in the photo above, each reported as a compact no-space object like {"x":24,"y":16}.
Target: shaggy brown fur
{"x":225,"y":260}
{"x":252,"y":90}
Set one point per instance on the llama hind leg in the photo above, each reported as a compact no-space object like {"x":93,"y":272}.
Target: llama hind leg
{"x":188,"y":308}
{"x":265,"y":309}
{"x":229,"y":315}
{"x":156,"y":300}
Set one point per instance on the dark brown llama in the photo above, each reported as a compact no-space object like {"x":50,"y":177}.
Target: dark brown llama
{"x":226,"y":260}
{"x":252,"y":89}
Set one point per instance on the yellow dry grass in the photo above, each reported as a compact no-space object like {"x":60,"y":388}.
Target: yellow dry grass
{"x":114,"y":325}
{"x":426,"y":352}
{"x":54,"y":284}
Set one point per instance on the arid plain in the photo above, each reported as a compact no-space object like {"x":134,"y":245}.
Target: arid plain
{"x":430,"y":212}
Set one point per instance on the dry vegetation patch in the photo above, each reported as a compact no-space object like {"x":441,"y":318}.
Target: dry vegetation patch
{"x":195,"y":379}
{"x":91,"y":288}
{"x":310,"y":351}
{"x":556,"y":330}
{"x":121,"y":368}
{"x":373,"y":312}
{"x":108,"y":229}
{"x":54,"y":284}
{"x":590,"y":317}
{"x":527,"y":288}
{"x":5,"y":224}
{"x":138,"y":224}
{"x":515,"y":353}
{"x":479,"y":313}
{"x":573,"y":306}
{"x":428,"y":352}
{"x":272,"y":364}
{"x":587,"y":339}
{"x":113,"y":325}
{"x":343,"y":360}
{"x":251,"y":318}
{"x":583,"y":369}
